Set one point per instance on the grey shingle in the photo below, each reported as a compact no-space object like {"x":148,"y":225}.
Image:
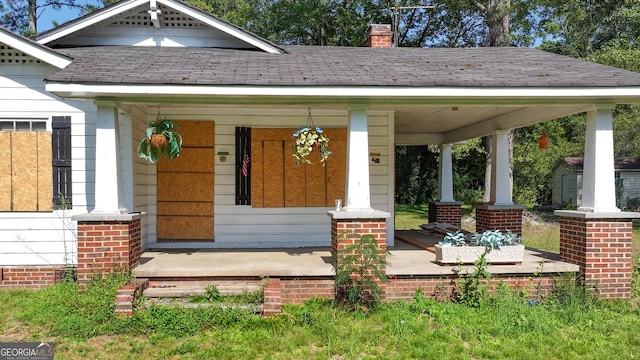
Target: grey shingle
{"x":337,"y":66}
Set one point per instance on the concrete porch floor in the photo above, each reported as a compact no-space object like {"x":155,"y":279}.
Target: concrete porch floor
{"x":405,"y":260}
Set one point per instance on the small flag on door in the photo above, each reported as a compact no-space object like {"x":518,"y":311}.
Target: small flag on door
{"x":245,"y":165}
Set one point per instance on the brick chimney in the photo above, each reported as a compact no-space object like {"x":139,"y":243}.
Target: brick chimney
{"x":378,"y":36}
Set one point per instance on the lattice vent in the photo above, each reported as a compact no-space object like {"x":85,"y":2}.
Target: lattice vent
{"x":169,"y":18}
{"x":9,"y":55}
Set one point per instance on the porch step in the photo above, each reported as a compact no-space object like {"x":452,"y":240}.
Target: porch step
{"x":179,"y":292}
{"x":168,"y":290}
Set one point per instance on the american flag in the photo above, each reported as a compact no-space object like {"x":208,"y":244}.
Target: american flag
{"x":245,"y":165}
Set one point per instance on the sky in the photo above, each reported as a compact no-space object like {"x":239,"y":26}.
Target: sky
{"x":49,"y":15}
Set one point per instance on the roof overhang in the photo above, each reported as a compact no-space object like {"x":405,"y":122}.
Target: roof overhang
{"x":34,"y":49}
{"x":422,"y":115}
{"x":524,"y":95}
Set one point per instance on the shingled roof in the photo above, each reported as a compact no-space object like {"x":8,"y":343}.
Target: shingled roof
{"x":620,"y":163}
{"x":337,"y":66}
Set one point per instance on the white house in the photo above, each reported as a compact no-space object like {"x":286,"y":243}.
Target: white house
{"x":567,"y":181}
{"x":106,"y":75}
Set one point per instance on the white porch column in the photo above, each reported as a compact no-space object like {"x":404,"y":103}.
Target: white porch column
{"x":598,"y":179}
{"x":126,"y":146}
{"x":501,"y":192}
{"x":108,"y":182}
{"x":358,"y":190}
{"x":445,"y":174}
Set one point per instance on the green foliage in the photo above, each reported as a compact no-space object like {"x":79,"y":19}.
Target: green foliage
{"x":454,"y":239}
{"x":635,"y":283}
{"x":417,"y":172}
{"x":178,"y":321}
{"x":489,"y":239}
{"x":308,"y":139}
{"x":78,"y":314}
{"x":359,"y":269}
{"x":495,"y":239}
{"x":472,"y":290}
{"x":211,"y":294}
{"x":533,"y":168}
{"x":578,"y":28}
{"x":508,"y":325}
{"x":165,"y":127}
{"x":21,"y":16}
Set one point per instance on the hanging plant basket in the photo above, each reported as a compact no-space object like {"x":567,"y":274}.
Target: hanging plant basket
{"x":162,"y":138}
{"x":308,"y":139}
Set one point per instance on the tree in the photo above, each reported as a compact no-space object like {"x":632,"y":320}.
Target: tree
{"x":22,"y":16}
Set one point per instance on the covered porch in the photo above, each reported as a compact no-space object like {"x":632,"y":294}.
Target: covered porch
{"x":375,"y":120}
{"x":405,"y":260}
{"x":291,"y":276}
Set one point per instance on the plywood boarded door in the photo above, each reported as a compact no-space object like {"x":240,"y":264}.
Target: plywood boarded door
{"x":185,"y":186}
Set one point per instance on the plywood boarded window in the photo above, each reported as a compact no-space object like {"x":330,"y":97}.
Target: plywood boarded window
{"x":277,"y":182}
{"x":25,"y":169}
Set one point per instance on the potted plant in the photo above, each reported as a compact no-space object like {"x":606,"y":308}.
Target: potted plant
{"x":498,"y":248}
{"x":307,"y":139}
{"x":162,"y":138}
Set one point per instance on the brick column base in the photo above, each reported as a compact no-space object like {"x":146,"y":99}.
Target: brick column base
{"x":348,"y":227}
{"x":446,"y":212}
{"x":499,"y":217}
{"x":107,"y":243}
{"x":272,"y":298}
{"x":602,"y":248}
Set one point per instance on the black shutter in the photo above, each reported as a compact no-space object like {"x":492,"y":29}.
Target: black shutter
{"x":243,"y":152}
{"x":61,"y":151}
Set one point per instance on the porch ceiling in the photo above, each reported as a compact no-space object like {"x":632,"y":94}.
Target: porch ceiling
{"x":415,"y":124}
{"x":436,"y":124}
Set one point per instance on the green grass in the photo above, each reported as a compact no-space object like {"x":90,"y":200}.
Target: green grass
{"x":410,"y":216}
{"x":567,"y":326}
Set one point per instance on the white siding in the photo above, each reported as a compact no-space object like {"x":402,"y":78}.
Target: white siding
{"x":244,"y":226}
{"x":574,"y":190}
{"x":631,"y":184}
{"x":144,"y":178}
{"x":46,"y":238}
{"x":31,"y":238}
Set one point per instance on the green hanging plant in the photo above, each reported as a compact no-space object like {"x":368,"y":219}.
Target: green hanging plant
{"x":162,"y":138}
{"x":307,"y":139}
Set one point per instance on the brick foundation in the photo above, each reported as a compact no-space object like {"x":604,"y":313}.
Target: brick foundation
{"x":443,"y":288}
{"x":107,"y":243}
{"x":399,"y":288}
{"x":450,"y":213}
{"x":297,"y":291}
{"x":498,"y":217}
{"x":27,"y":277}
{"x":602,"y":248}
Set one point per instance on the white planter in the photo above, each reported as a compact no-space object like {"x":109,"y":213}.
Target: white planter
{"x":469,"y":254}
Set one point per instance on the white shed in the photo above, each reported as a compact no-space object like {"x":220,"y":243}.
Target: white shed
{"x":567,"y":181}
